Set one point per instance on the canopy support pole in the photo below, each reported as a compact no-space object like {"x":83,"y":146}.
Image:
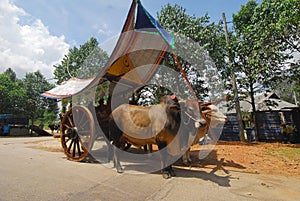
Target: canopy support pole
{"x":184,"y":74}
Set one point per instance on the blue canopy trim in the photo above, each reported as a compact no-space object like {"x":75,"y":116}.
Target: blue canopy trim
{"x":146,"y":21}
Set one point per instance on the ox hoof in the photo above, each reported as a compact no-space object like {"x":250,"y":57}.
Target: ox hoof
{"x":166,"y":175}
{"x":120,"y":170}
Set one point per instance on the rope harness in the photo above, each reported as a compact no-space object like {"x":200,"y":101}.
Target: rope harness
{"x":189,"y":119}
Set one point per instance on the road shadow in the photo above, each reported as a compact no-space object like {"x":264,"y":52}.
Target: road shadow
{"x":211,"y":161}
{"x":212,"y":165}
{"x":194,"y":170}
{"x":186,"y":173}
{"x":207,"y":176}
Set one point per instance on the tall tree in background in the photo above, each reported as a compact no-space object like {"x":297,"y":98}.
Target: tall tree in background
{"x":12,"y":95}
{"x":21,"y":97}
{"x":280,"y":27}
{"x":36,"y":106}
{"x":11,"y":74}
{"x":266,"y":35}
{"x":209,"y":36}
{"x":83,"y":62}
{"x":288,"y":90}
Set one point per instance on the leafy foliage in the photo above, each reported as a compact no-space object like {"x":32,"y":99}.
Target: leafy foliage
{"x":83,"y":62}
{"x":266,"y":36}
{"x":12,"y":96}
{"x":199,"y":46}
{"x":22,"y":97}
{"x":11,"y":74}
{"x":36,"y":106}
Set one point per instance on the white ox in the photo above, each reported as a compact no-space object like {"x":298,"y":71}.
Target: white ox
{"x":213,"y":117}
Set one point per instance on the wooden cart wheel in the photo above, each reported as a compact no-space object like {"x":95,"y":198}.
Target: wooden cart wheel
{"x":77,"y":133}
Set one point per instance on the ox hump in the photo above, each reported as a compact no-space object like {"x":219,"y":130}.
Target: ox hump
{"x":140,"y":118}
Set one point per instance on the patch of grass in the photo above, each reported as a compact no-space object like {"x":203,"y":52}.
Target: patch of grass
{"x":292,"y":153}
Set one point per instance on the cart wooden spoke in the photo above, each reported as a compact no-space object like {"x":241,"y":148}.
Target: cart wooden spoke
{"x":77,"y":133}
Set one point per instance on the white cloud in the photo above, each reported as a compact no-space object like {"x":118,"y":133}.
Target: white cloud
{"x":27,"y":47}
{"x":103,"y":29}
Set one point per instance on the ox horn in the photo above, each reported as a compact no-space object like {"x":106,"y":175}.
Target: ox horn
{"x":202,"y":104}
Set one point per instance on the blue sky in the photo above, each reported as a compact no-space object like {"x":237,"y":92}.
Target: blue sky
{"x":36,"y":34}
{"x":78,"y":20}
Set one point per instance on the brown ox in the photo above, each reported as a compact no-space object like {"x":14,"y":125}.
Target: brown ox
{"x":158,"y":124}
{"x":213,"y":117}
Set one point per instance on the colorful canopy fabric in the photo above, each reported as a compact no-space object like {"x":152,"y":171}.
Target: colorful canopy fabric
{"x":67,"y":88}
{"x":143,"y":42}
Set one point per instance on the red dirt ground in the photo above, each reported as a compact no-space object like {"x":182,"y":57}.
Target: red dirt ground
{"x":268,"y":158}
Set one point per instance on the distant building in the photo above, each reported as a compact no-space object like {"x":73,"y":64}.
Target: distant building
{"x":272,"y":113}
{"x":267,"y":102}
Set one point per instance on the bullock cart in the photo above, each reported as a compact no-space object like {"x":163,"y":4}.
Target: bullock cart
{"x":134,"y":62}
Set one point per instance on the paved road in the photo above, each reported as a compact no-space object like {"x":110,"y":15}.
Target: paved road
{"x":28,"y":172}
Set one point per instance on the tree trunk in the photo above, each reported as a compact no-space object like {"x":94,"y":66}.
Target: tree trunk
{"x":254,"y":113}
{"x":234,"y":85}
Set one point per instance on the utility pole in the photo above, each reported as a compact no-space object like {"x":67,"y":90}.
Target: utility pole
{"x":234,"y":85}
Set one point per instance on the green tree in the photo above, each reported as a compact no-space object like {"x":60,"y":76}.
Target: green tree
{"x":12,"y":96}
{"x":209,"y":35}
{"x":83,"y":62}
{"x":266,"y":35}
{"x":287,"y":90}
{"x":11,"y":74}
{"x":36,"y":106}
{"x":282,"y":28}
{"x":190,"y":30}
